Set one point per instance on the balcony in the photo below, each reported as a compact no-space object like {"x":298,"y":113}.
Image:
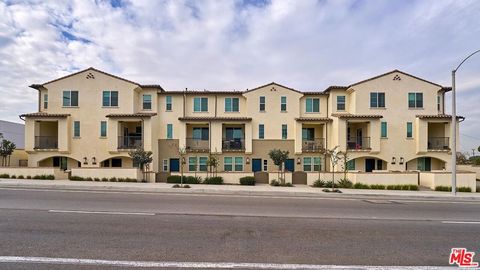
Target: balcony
{"x":46,"y":142}
{"x":358,"y":143}
{"x":198,"y":145}
{"x":438,"y":143}
{"x":313,"y":145}
{"x":233,"y":144}
{"x":129,"y":141}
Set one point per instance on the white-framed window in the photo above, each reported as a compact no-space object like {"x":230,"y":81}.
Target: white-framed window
{"x":202,"y":161}
{"x":312,"y":164}
{"x":147,"y":102}
{"x":415,"y":100}
{"x":231,"y":164}
{"x":283,"y":103}
{"x":110,"y":99}
{"x":312,"y":105}
{"x":284,"y":132}
{"x":340,"y":103}
{"x":168,"y":103}
{"x":265,"y":165}
{"x":192,"y":164}
{"x":169,"y":131}
{"x":261,"y":131}
{"x":228,"y":164}
{"x":70,"y":98}
{"x":262,"y":103}
{"x":76,"y":129}
{"x":239,"y":164}
{"x":103,"y":129}
{"x":45,"y":101}
{"x":200,"y":104}
{"x":165,"y":165}
{"x":377,"y":100}
{"x":232,"y":105}
{"x":196,"y":164}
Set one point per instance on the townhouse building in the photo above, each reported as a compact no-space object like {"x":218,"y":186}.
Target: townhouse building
{"x":391,"y":122}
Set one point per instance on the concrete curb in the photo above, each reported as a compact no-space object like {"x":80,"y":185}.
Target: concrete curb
{"x":217,"y":190}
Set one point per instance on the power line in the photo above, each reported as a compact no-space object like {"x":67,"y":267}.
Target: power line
{"x":472,"y":137}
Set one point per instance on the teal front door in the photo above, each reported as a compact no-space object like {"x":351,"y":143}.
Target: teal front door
{"x":290,"y":165}
{"x":256,"y":165}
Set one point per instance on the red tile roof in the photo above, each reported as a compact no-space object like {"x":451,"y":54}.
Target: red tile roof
{"x":131,"y":115}
{"x":45,"y":115}
{"x":355,"y":116}
{"x":313,"y":119}
{"x":211,"y":118}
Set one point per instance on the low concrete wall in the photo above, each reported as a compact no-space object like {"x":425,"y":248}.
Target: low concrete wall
{"x":108,"y":173}
{"x":274,"y":176}
{"x":384,"y":178}
{"x":228,"y":177}
{"x":32,"y":171}
{"x":325,"y":176}
{"x":470,"y":168}
{"x":442,"y":178}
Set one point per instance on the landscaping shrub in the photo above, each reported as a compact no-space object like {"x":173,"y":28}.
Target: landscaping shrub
{"x":89,"y":179}
{"x":13,"y":177}
{"x":175,"y":179}
{"x":96,"y":179}
{"x":186,"y":186}
{"x":329,"y":190}
{"x":464,"y":189}
{"x":76,"y":178}
{"x":29,"y":177}
{"x":4,"y":175}
{"x":377,"y":186}
{"x":329,"y":184}
{"x":361,"y":186}
{"x":21,"y":177}
{"x":176,"y":186}
{"x":344,"y":183}
{"x":247,"y":181}
{"x":394,"y":187}
{"x":277,"y":183}
{"x":443,"y":188}
{"x":412,"y":187}
{"x":319,"y":183}
{"x":104,"y":179}
{"x":216,"y":180}
{"x":44,"y":177}
{"x":113,"y":179}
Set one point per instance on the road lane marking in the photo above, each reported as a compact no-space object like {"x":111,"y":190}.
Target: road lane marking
{"x":461,"y":222}
{"x":195,"y":265}
{"x":102,"y":212}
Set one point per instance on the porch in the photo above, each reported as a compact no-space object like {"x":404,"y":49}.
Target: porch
{"x":358,"y":135}
{"x":438,"y":139}
{"x":46,"y":135}
{"x":131,"y":137}
{"x":233,"y":137}
{"x":198,"y":137}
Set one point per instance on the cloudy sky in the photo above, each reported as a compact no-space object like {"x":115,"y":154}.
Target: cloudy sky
{"x":226,"y":45}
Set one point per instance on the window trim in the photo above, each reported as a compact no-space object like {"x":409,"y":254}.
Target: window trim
{"x":312,"y":101}
{"x":232,"y":104}
{"x":103,"y":129}
{"x":283,"y":103}
{"x":168,"y":101}
{"x":228,"y":164}
{"x":149,"y":102}
{"x":76,"y":129}
{"x":415,"y":100}
{"x":169,"y":131}
{"x":284,"y":128}
{"x":45,"y":101}
{"x":344,"y":103}
{"x":110,"y":98}
{"x":200,"y":104}
{"x":265,"y":165}
{"x":262,"y":103}
{"x":165,"y":165}
{"x":261,"y":131}
{"x":70,"y":99}
{"x":377,"y":104}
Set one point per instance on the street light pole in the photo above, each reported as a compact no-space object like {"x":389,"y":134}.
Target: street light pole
{"x":454,"y":127}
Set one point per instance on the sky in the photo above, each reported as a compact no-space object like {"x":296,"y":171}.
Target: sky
{"x":236,"y":45}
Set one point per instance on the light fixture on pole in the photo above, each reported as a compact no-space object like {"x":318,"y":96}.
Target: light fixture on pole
{"x":454,"y":127}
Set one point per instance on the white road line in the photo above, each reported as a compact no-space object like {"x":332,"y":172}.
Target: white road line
{"x":102,"y":212}
{"x":196,"y":265}
{"x":461,"y":222}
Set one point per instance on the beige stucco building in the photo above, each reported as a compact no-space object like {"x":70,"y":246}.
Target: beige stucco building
{"x":393,"y":122}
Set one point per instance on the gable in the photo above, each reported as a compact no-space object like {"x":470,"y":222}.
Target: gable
{"x":396,"y":75}
{"x":273,"y":88}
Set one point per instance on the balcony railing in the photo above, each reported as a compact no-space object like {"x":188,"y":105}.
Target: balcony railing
{"x":129,"y":141}
{"x":313,"y":145}
{"x":358,"y":143}
{"x":197,"y":144}
{"x":46,"y":142}
{"x":438,"y":143}
{"x":233,"y":144}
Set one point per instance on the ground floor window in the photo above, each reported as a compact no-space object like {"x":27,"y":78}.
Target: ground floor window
{"x":233,"y":164}
{"x":165,"y":165}
{"x":312,"y":164}
{"x":197,"y":164}
{"x":116,"y":162}
{"x":424,"y":164}
{"x":265,"y":165}
{"x":351,"y":165}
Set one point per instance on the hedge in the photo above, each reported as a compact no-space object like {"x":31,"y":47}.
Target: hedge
{"x":176,"y":179}
{"x":216,"y":180}
{"x":247,"y":181}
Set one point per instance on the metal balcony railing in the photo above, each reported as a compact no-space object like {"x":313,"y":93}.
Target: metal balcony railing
{"x":438,"y":143}
{"x":46,"y":142}
{"x":313,"y":145}
{"x":129,"y":141}
{"x":358,"y":143}
{"x":233,"y":144}
{"x":198,"y":144}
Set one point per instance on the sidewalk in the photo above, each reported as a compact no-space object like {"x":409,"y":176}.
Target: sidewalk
{"x":259,"y":190}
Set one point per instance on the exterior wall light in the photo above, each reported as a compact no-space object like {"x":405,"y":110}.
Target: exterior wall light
{"x":247,"y":160}
{"x":402,"y":161}
{"x":183,"y":160}
{"x":94,"y":161}
{"x":299,"y":160}
{"x":85,"y":160}
{"x":394,"y":160}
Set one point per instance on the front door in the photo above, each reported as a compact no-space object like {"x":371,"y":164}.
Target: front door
{"x":174,"y":165}
{"x":290,"y":165}
{"x":369,"y":164}
{"x":256,"y":165}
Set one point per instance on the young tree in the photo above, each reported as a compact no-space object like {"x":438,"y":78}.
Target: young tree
{"x":334,"y":155}
{"x":279,"y":157}
{"x":6,"y":150}
{"x":212,"y":164}
{"x":142,"y":158}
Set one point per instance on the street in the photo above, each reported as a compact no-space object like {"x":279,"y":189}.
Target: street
{"x":148,"y":227}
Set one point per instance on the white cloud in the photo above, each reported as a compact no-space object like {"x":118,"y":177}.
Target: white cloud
{"x":305,"y":44}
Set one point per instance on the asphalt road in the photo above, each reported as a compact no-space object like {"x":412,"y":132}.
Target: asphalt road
{"x":146,"y":227}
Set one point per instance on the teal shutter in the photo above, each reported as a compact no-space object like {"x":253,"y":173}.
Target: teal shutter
{"x":76,"y":128}
{"x":316,"y":105}
{"x":384,"y":129}
{"x":409,"y":130}
{"x":261,"y":131}
{"x":169,"y":131}
{"x":308,"y":105}
{"x":103,"y":129}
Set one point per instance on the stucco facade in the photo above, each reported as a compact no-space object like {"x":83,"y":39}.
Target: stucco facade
{"x":391,"y":131}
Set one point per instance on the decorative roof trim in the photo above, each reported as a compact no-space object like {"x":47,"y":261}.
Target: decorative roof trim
{"x":357,"y":116}
{"x":335,"y":87}
{"x":393,"y":71}
{"x":207,"y":118}
{"x":437,"y":116}
{"x":130,"y":115}
{"x":203,"y":92}
{"x":45,"y":115}
{"x":313,"y":119}
{"x":273,"y":83}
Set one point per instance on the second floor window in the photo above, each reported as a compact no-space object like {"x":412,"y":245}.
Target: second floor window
{"x":283,"y":104}
{"x":377,"y":100}
{"x":231,"y":104}
{"x":76,"y":129}
{"x":168,"y":103}
{"x":384,"y":130}
{"x":284,"y":132}
{"x":45,"y":101}
{"x":200,"y":104}
{"x":439,"y":102}
{"x":262,"y":103}
{"x":415,"y":100}
{"x":110,"y":99}
{"x":261,"y":131}
{"x":200,"y":133}
{"x":312,"y":105}
{"x":340,"y":103}
{"x":147,"y":102}
{"x":169,"y":131}
{"x":409,"y":129}
{"x":70,"y":98}
{"x":103,"y":129}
